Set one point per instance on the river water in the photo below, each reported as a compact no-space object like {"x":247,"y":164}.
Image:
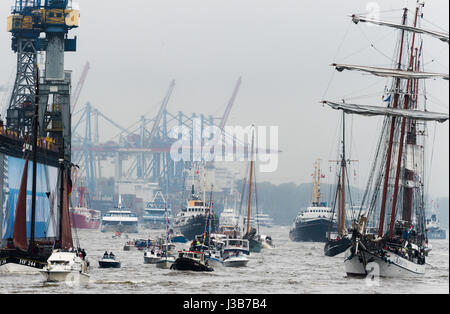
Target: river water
{"x":289,"y":268}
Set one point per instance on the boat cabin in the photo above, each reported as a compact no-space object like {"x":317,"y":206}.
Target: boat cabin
{"x":198,"y":256}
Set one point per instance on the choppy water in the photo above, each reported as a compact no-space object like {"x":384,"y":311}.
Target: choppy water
{"x":291,"y":267}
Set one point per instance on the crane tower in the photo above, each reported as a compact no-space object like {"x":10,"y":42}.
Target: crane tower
{"x":42,"y":26}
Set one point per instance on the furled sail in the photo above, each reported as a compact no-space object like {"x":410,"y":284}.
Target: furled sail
{"x":440,"y":35}
{"x":385,"y":72}
{"x":394,"y":112}
{"x":20,"y":220}
{"x":66,"y":236}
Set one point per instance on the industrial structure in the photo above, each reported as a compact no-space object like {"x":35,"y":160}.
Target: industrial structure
{"x":141,"y":152}
{"x":36,"y":27}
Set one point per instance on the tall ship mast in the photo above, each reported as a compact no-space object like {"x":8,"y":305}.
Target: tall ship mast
{"x":339,"y":242}
{"x":391,"y":232}
{"x":313,"y":223}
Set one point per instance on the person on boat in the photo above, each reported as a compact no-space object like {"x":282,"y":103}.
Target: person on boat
{"x":111,"y":254}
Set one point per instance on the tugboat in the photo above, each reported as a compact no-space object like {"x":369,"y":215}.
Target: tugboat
{"x":313,"y":223}
{"x":191,"y":260}
{"x":109,"y":261}
{"x":193,"y":219}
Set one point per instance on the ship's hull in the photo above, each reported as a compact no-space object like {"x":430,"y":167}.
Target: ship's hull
{"x":109,"y":264}
{"x":236,"y":261}
{"x":182,"y":263}
{"x":438,"y":234}
{"x":120,"y":228}
{"x":336,"y":247}
{"x":366,"y":264}
{"x":151,"y":223}
{"x":196,"y":226}
{"x":165,"y":263}
{"x":83,"y":222}
{"x":69,"y":277}
{"x":255,"y":246}
{"x":311,"y":231}
{"x":151,"y":259}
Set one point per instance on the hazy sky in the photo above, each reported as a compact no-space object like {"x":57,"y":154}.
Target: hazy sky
{"x":282,"y":49}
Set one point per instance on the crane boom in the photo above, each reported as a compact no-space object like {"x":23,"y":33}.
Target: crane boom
{"x":79,"y":86}
{"x":160,"y":113}
{"x":226,"y":114}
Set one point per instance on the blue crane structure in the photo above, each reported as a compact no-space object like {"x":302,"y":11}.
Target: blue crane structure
{"x":42,"y":27}
{"x":145,"y":145}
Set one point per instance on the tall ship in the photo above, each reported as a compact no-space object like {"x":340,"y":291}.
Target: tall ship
{"x":196,"y":217}
{"x":156,"y":212}
{"x":388,"y":237}
{"x":434,"y":230}
{"x":83,"y":217}
{"x":313,"y":223}
{"x":35,"y":140}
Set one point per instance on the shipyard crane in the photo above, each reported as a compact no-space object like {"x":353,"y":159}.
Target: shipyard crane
{"x":226,"y":114}
{"x":28,"y":20}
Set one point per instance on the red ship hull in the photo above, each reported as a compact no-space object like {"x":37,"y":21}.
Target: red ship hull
{"x":81,"y":221}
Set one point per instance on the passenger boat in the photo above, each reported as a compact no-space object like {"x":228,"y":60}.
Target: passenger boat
{"x":191,"y":260}
{"x":389,"y":237}
{"x":120,"y":220}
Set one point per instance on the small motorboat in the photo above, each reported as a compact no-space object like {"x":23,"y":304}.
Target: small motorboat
{"x":267,"y":242}
{"x":191,"y":260}
{"x":109,"y":261}
{"x":236,"y":260}
{"x":65,"y":266}
{"x":165,"y":262}
{"x":213,"y":258}
{"x":152,"y":256}
{"x":178,"y":238}
{"x":235,"y":252}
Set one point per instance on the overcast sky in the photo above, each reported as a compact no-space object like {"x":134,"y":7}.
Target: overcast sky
{"x":282,"y":49}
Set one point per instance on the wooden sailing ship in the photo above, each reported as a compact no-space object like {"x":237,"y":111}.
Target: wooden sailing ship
{"x":31,"y":245}
{"x":338,"y":243}
{"x":389,"y":235}
{"x":251,"y":235}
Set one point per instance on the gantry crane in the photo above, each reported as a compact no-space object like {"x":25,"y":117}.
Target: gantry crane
{"x":42,"y":26}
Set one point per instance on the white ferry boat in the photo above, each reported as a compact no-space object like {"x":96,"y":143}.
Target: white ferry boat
{"x":120,"y":220}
